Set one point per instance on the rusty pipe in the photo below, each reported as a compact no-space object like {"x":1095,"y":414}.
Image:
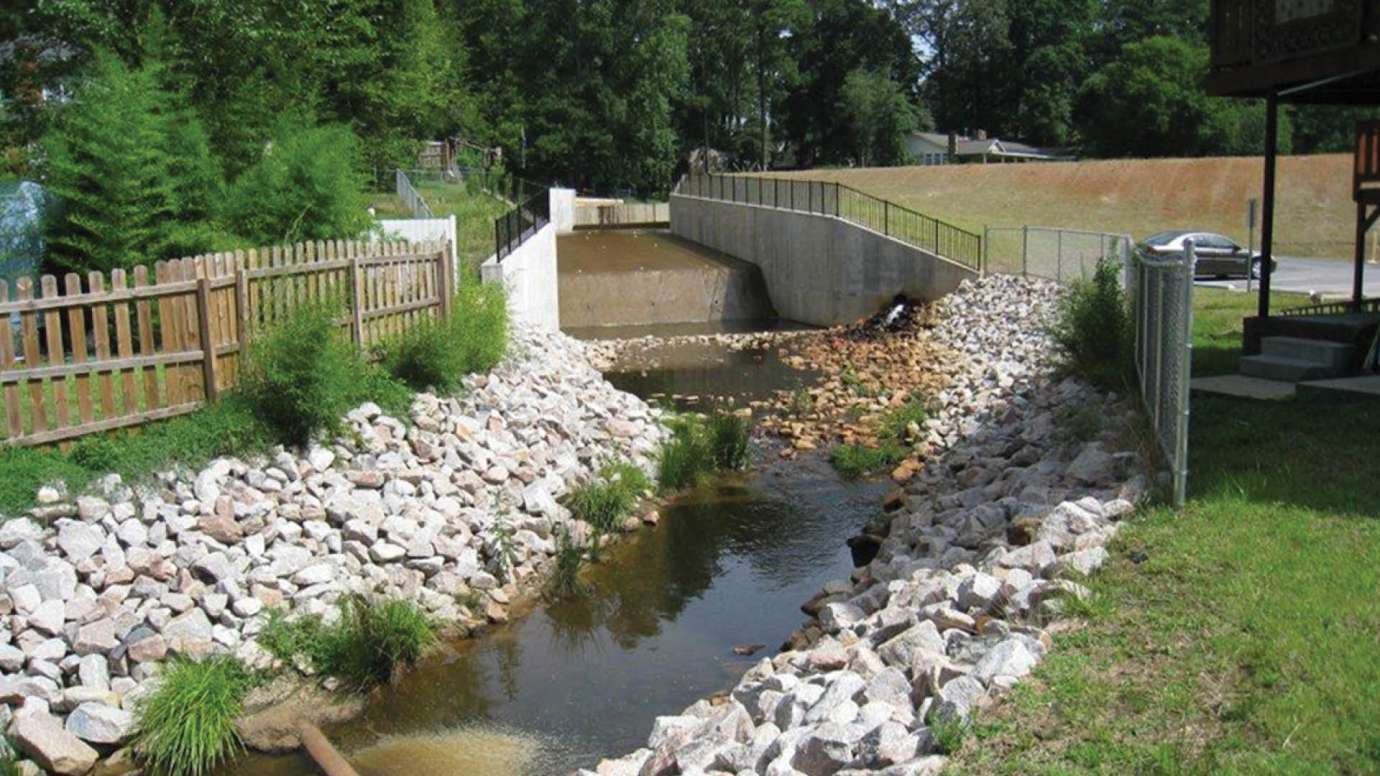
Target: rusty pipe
{"x":323,"y":753}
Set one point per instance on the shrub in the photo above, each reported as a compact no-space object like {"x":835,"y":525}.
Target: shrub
{"x":1093,"y":331}
{"x":187,"y":726}
{"x":300,"y":373}
{"x":437,"y":354}
{"x":854,"y":461}
{"x":604,"y":501}
{"x":728,"y":436}
{"x":565,"y":580}
{"x":364,"y":647}
{"x":897,"y":420}
{"x":307,"y":186}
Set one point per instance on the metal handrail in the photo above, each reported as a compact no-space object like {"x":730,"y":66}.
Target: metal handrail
{"x":839,"y":200}
{"x":1335,"y":308}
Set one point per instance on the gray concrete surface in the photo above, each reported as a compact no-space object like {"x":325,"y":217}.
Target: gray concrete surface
{"x":818,"y":269}
{"x":1330,"y":277}
{"x":530,"y":274}
{"x":627,"y":278}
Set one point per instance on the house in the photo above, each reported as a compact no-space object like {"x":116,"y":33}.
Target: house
{"x":1324,"y":53}
{"x":931,"y":148}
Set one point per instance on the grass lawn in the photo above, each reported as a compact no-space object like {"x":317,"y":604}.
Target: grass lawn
{"x":1248,"y":640}
{"x":1315,"y":215}
{"x":474,"y":216}
{"x":1217,"y":315}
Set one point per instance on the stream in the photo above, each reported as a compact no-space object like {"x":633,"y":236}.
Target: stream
{"x":583,"y":678}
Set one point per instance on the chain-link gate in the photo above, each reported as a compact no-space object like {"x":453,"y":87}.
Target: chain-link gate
{"x":1062,"y":255}
{"x":1162,"y":303}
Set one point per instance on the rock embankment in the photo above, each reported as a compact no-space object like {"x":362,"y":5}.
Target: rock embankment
{"x":454,"y":509}
{"x":984,"y":542}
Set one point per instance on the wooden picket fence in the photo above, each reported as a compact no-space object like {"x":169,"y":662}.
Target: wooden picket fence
{"x":80,"y":359}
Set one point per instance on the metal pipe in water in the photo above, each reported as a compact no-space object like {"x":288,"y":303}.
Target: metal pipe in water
{"x":323,"y":753}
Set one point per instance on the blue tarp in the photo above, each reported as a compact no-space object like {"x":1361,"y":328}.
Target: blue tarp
{"x":21,"y":229}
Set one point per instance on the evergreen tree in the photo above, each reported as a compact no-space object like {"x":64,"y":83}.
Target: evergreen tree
{"x":108,"y":167}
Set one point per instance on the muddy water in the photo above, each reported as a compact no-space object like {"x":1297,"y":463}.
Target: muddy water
{"x":584,"y":677}
{"x":699,"y":375}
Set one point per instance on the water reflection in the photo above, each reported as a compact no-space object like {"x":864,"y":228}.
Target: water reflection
{"x":729,"y":565}
{"x":711,"y":374}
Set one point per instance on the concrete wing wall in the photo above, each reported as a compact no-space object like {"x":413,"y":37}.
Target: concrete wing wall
{"x":421,"y":230}
{"x":529,"y":274}
{"x":818,"y":269}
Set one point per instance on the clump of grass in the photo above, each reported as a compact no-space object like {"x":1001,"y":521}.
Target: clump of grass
{"x":699,"y":446}
{"x":604,"y":501}
{"x":364,"y":647}
{"x":565,"y":579}
{"x":9,"y":757}
{"x":949,"y":734}
{"x":854,"y":461}
{"x":437,"y":354}
{"x":896,"y":422}
{"x":728,"y":437}
{"x":1093,"y":331}
{"x":187,"y":726}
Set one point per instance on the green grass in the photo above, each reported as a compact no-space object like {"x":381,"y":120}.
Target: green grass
{"x":565,"y":578}
{"x":474,"y":217}
{"x":366,"y":646}
{"x":701,"y":445}
{"x":438,"y":354}
{"x":855,"y":461}
{"x":604,"y":501}
{"x":1246,"y":641}
{"x":1217,"y":315}
{"x":187,"y":726}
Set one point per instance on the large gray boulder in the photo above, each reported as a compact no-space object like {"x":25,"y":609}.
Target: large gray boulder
{"x":42,"y":737}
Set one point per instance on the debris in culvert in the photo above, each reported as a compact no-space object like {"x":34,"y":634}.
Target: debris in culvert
{"x":902,"y":315}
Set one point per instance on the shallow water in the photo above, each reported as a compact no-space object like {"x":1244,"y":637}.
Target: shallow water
{"x":583,"y":678}
{"x":702,"y":375}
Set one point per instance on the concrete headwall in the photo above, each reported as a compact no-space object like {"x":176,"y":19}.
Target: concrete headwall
{"x":563,"y":210}
{"x":529,"y":273}
{"x":421,"y":230}
{"x":818,"y":269}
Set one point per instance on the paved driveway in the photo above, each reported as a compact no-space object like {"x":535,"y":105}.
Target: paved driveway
{"x":1330,"y":277}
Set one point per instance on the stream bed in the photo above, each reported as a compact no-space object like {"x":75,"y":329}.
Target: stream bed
{"x":583,"y":678}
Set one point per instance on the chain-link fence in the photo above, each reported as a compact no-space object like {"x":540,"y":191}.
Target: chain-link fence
{"x":1162,"y":302}
{"x":1062,"y":255}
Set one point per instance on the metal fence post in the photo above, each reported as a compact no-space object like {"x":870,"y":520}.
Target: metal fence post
{"x":1025,"y":251}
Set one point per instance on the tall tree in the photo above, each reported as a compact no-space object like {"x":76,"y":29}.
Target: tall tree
{"x":880,"y":115}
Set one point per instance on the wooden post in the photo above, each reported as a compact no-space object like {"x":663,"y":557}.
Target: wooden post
{"x":322,"y":753}
{"x":208,"y":343}
{"x":445,"y":287}
{"x":242,"y":305}
{"x":357,"y":302}
{"x":1267,"y":215}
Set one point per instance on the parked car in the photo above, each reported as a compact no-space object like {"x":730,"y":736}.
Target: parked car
{"x":1217,"y":255}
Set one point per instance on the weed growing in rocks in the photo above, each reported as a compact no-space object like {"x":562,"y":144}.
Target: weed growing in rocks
{"x":604,"y":501}
{"x":438,"y":354}
{"x":9,"y":758}
{"x":728,"y":435}
{"x":565,"y":580}
{"x":302,"y":375}
{"x":699,"y":446}
{"x":366,"y":646}
{"x":1093,"y":331}
{"x":854,"y":461}
{"x":949,"y":734}
{"x":187,"y":726}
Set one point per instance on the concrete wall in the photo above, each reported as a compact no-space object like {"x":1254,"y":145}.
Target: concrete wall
{"x":421,"y":230}
{"x":597,"y":215}
{"x":563,"y":210}
{"x":529,"y":273}
{"x":660,"y":296}
{"x":818,"y":269}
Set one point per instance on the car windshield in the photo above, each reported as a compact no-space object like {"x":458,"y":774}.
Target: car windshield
{"x":1163,"y":238}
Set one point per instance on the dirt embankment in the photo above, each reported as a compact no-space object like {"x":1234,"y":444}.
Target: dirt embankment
{"x":1315,"y":214}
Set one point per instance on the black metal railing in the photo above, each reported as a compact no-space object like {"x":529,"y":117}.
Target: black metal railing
{"x":525,"y":219}
{"x":835,"y":199}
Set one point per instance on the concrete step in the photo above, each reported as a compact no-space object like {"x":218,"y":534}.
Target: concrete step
{"x":1291,"y":370}
{"x":1334,"y":355}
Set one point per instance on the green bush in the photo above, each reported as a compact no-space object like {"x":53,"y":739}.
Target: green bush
{"x":438,"y":354}
{"x":896,"y":420}
{"x":1093,"y":331}
{"x":307,"y":186}
{"x":728,"y":436}
{"x":187,"y":726}
{"x":604,"y":501}
{"x":854,"y":461}
{"x":301,"y":375}
{"x":364,"y":647}
{"x":701,"y":445}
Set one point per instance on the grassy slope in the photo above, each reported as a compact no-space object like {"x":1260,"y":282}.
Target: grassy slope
{"x":1249,"y":640}
{"x":474,"y":216}
{"x":1139,"y":196}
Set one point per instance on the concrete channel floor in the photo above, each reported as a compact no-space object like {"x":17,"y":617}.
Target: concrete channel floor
{"x":1244,"y":387}
{"x":634,"y":250}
